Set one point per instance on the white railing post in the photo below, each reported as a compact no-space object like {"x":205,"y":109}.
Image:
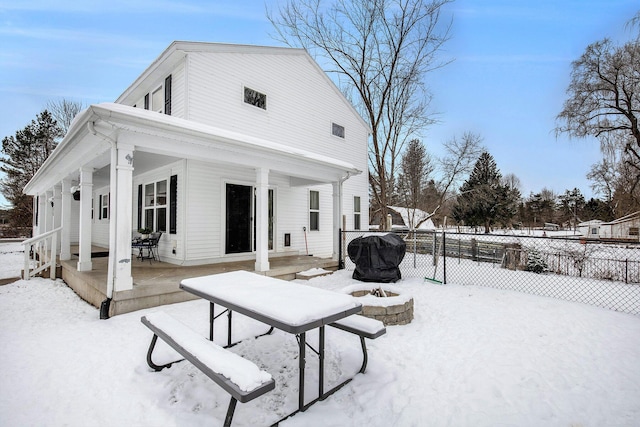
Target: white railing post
{"x":27,"y":263}
{"x":48,"y":241}
{"x":52,"y":260}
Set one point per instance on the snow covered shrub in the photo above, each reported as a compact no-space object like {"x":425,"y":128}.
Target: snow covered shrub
{"x":536,"y":262}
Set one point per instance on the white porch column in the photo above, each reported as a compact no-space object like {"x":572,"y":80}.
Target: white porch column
{"x":262,"y":219}
{"x":86,"y":195}
{"x":65,"y":234}
{"x":42,"y":213}
{"x":57,"y":210}
{"x":119,"y":276}
{"x":337,"y":217}
{"x":48,"y":211}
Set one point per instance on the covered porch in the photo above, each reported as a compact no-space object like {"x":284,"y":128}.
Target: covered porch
{"x":191,"y":171}
{"x":157,"y":283}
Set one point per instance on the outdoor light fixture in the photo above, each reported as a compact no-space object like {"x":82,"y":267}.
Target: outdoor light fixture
{"x":75,"y":190}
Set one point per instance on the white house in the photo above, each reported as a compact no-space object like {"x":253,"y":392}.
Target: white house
{"x":413,"y":218}
{"x":234,"y":152}
{"x":590,"y":228}
{"x":626,"y":227}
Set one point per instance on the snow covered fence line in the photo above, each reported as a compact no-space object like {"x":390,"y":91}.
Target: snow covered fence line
{"x":604,"y":274}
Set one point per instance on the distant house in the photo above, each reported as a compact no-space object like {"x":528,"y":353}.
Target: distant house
{"x":627,"y":227}
{"x":233,"y":152}
{"x":590,"y":228}
{"x":408,"y":218}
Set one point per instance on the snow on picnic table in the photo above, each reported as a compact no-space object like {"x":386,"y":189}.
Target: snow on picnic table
{"x":472,"y":356}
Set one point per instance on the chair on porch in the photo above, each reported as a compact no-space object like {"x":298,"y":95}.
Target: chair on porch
{"x":149,"y":244}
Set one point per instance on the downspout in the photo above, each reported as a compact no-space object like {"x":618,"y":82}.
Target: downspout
{"x":104,"y":306}
{"x":340,"y":221}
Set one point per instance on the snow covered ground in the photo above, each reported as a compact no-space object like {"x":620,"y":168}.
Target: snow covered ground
{"x":472,"y":356}
{"x":11,"y":259}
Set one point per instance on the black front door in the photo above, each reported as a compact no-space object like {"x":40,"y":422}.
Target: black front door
{"x":238,"y":218}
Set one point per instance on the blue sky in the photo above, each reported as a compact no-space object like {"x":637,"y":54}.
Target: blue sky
{"x":507,"y":81}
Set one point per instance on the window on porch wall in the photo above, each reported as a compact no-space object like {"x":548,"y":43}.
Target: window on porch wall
{"x":314,"y":210}
{"x":155,"y":206}
{"x":103,"y":206}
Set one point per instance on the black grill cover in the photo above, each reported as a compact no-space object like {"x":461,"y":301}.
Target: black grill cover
{"x":377,"y":257}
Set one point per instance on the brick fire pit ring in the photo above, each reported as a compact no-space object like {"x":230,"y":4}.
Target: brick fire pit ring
{"x":394,"y":309}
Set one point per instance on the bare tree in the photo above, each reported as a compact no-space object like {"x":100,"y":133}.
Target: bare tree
{"x":380,"y":51}
{"x":604,"y":98}
{"x":512,"y":182}
{"x":458,"y":161}
{"x":64,"y":111}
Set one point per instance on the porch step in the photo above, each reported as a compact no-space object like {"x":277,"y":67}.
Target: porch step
{"x":314,"y":272}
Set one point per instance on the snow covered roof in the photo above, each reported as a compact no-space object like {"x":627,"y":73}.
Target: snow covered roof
{"x":591,"y":222}
{"x":625,"y":218}
{"x":94,"y":129}
{"x":412,"y":217}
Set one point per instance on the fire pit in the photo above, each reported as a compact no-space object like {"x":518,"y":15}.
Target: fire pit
{"x":396,"y":308}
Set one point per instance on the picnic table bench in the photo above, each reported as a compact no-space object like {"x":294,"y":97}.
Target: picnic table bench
{"x":364,"y":327}
{"x":239,"y":377}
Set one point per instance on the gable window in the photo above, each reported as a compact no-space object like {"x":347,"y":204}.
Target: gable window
{"x":146,"y":102}
{"x":337,"y":130}
{"x":356,"y":213}
{"x":155,"y":206}
{"x":255,"y":98}
{"x":594,"y":230}
{"x":314,"y":210}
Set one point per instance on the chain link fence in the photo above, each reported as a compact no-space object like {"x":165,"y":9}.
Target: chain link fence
{"x":601,"y":273}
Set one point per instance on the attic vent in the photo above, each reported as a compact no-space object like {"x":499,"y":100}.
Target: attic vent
{"x":255,"y":98}
{"x":337,"y":130}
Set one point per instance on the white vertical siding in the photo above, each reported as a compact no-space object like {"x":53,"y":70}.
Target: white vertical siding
{"x":301,"y":105}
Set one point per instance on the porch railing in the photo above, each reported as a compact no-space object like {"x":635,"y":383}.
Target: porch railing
{"x":40,"y":253}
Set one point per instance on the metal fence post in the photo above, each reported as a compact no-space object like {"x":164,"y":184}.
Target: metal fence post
{"x":340,"y":243}
{"x":444,"y":257}
{"x":415,"y":247}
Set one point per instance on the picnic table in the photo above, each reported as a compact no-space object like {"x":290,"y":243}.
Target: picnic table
{"x":292,"y":308}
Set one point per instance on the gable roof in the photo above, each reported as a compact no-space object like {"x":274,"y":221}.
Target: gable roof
{"x":178,"y":50}
{"x":418,"y":215}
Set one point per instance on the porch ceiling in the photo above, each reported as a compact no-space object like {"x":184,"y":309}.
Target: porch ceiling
{"x":164,"y":138}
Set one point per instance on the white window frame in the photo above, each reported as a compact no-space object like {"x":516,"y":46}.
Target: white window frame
{"x":104,"y":208}
{"x":150,"y":204}
{"x":314,"y":210}
{"x":245,"y":88}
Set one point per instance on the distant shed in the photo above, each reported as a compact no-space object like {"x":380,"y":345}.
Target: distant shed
{"x":627,"y":228}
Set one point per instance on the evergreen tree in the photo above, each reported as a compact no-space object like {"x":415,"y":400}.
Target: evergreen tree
{"x":484,"y":199}
{"x":416,"y":166}
{"x":23,"y":154}
{"x":571,"y":204}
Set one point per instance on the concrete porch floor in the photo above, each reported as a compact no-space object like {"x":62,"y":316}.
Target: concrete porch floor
{"x":157,"y":283}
